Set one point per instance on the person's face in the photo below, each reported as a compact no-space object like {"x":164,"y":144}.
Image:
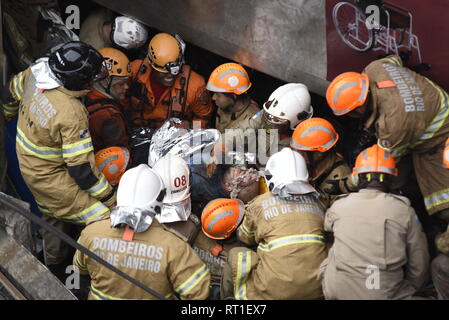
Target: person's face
{"x":222,"y":100}
{"x":312,"y":158}
{"x":358,"y":112}
{"x":164,"y":78}
{"x":247,"y":193}
{"x":119,"y":88}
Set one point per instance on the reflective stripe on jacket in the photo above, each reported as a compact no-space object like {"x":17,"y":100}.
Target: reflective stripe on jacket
{"x":291,"y":245}
{"x":155,"y":257}
{"x":56,"y":156}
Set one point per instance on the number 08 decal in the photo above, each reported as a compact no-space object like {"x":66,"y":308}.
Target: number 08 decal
{"x":180,"y":181}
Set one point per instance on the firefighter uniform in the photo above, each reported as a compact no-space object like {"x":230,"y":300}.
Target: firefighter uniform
{"x":55,"y":155}
{"x":244,"y":119}
{"x":332,"y":167}
{"x":234,"y":126}
{"x":379,"y":252}
{"x":187,"y":99}
{"x":155,"y":257}
{"x":20,"y":22}
{"x":107,"y":122}
{"x":214,"y":254}
{"x":291,"y":246}
{"x":401,"y":96}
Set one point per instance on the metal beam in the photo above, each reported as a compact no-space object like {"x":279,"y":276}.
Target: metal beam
{"x":285,"y":38}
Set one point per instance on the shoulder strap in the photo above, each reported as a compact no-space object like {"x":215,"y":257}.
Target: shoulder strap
{"x":185,"y":85}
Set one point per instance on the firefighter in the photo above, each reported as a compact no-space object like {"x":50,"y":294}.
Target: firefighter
{"x":408,"y":114}
{"x":229,"y":84}
{"x":136,"y":243}
{"x":163,"y":86}
{"x":380,"y":250}
{"x":286,"y":224}
{"x":315,"y":139}
{"x":54,"y":147}
{"x":219,"y":219}
{"x":107,"y":121}
{"x":286,"y":107}
{"x":100,"y":31}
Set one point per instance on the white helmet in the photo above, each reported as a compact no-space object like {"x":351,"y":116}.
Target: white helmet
{"x":140,"y":187}
{"x":139,"y":198}
{"x":286,"y":173}
{"x":128,"y":33}
{"x":175,"y":174}
{"x":290,"y":102}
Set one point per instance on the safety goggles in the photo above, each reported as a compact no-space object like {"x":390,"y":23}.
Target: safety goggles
{"x":174,"y":68}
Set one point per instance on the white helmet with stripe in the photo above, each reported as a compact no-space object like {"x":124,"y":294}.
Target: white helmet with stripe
{"x":175,"y":174}
{"x":290,"y":102}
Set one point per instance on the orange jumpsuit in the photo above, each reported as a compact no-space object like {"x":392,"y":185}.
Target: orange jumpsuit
{"x":187,"y":99}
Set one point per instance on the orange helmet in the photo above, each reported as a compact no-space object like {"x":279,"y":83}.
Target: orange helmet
{"x":221,"y":217}
{"x":165,"y":53}
{"x":229,"y":77}
{"x":314,"y":134}
{"x":446,"y":154}
{"x":112,"y":162}
{"x":375,"y":159}
{"x":347,"y":92}
{"x":116,"y":62}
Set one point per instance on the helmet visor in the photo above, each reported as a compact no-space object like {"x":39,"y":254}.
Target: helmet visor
{"x":139,"y":220}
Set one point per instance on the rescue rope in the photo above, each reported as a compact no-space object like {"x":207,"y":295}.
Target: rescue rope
{"x":35,"y":219}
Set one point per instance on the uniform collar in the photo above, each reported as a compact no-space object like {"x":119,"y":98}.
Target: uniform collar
{"x":370,"y":190}
{"x":75,"y":94}
{"x":237,"y":114}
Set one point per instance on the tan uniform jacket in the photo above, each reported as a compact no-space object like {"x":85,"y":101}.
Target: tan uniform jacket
{"x":206,"y":248}
{"x":379,"y":252}
{"x":55,"y":153}
{"x":291,"y":246}
{"x":155,"y":257}
{"x":91,"y":31}
{"x":240,"y":128}
{"x":332,"y":167}
{"x":410,"y":112}
{"x":244,"y":119}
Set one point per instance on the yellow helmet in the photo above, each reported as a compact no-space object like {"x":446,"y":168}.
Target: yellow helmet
{"x":165,"y":53}
{"x":116,"y":62}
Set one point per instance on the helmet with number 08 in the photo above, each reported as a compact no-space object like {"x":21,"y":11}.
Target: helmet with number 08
{"x":175,"y":173}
